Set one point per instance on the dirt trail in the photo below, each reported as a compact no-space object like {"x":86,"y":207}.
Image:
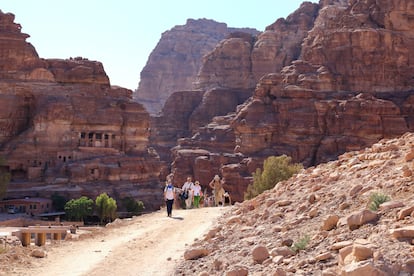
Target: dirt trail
{"x":147,"y":245}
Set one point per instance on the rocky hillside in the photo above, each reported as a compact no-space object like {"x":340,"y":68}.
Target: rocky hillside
{"x":175,"y":61}
{"x":327,"y":204}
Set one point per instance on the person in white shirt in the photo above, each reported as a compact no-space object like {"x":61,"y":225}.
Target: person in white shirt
{"x":197,"y":194}
{"x":169,"y":195}
{"x":188,"y":191}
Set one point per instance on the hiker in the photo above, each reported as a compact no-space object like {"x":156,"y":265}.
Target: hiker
{"x":197,"y":194}
{"x":187,"y":194}
{"x":206,"y":199}
{"x":217,"y":185}
{"x":169,"y":195}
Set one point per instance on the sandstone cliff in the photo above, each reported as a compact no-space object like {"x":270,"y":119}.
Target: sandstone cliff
{"x":228,"y":75}
{"x":242,"y":59}
{"x":65,"y":130}
{"x":348,"y":87}
{"x":187,"y":113}
{"x":174,"y":63}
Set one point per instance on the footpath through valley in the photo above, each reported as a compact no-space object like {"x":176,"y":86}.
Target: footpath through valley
{"x":150,"y":244}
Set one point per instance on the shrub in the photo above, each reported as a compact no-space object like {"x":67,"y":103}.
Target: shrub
{"x":78,"y":209}
{"x":376,"y":199}
{"x":106,"y":207}
{"x":275,"y":169}
{"x":301,"y":244}
{"x":133,"y":206}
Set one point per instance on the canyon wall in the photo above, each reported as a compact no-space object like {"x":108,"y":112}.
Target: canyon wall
{"x":175,"y":61}
{"x":240,"y":60}
{"x":227,"y":77}
{"x":330,"y":78}
{"x":65,"y":130}
{"x":347,"y":87}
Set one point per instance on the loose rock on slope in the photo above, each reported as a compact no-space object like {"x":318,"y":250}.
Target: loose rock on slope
{"x":380,"y":243}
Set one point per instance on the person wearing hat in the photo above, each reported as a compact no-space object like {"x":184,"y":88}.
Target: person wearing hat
{"x":217,"y":185}
{"x":197,"y":194}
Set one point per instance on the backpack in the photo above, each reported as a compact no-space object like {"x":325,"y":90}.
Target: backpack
{"x":184,"y":195}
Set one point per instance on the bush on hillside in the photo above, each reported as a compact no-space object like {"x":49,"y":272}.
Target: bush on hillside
{"x":275,"y":169}
{"x":301,"y":244}
{"x":376,"y":199}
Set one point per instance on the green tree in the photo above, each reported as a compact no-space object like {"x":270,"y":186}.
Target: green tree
{"x":58,"y":202}
{"x":5,"y":177}
{"x":106,"y":207}
{"x":78,"y":209}
{"x":133,"y":206}
{"x":275,"y":169}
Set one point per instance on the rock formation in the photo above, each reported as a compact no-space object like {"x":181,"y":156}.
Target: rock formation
{"x":242,"y":59}
{"x":65,"y":130}
{"x":349,"y":87}
{"x":229,"y":75}
{"x":182,"y":116}
{"x":318,"y":222}
{"x":174,"y":63}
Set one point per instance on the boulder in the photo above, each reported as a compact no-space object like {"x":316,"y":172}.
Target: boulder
{"x":330,"y":222}
{"x":406,"y":232}
{"x":260,"y":253}
{"x":358,"y":218}
{"x":362,"y":268}
{"x":194,"y":254}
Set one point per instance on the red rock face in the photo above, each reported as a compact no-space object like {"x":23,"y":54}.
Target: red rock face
{"x":78,"y":70}
{"x":15,"y":53}
{"x":349,"y":86}
{"x":242,"y":59}
{"x":64,"y":130}
{"x":174,"y":63}
{"x":186,"y":113}
{"x":19,"y":60}
{"x":228,"y":65}
{"x":365,"y":46}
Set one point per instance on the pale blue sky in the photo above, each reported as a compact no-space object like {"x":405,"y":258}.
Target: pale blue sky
{"x":122,"y":33}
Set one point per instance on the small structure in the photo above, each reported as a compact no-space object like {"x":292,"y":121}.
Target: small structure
{"x":40,"y":234}
{"x":52,"y":216}
{"x":31,"y":206}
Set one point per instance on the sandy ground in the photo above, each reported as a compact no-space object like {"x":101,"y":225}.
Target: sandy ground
{"x":150,"y":244}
